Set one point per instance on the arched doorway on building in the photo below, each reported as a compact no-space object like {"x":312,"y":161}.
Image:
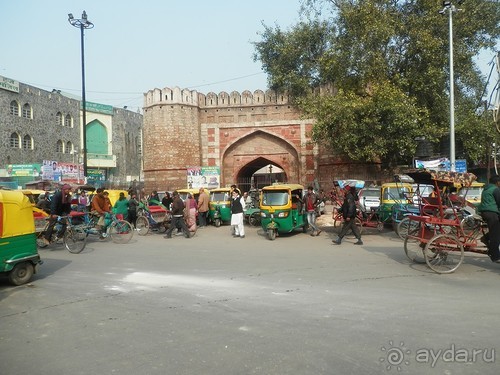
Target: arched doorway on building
{"x":259,"y":173}
{"x":255,"y":151}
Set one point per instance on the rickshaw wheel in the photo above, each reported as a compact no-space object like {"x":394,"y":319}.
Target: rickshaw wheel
{"x":380,"y":226}
{"x":39,"y":240}
{"x":405,"y":226}
{"x":253,"y":220}
{"x":142,"y":225}
{"x":414,"y":248}
{"x":217,"y":223}
{"x":162,"y":227}
{"x":444,"y":253}
{"x":271,"y":234}
{"x":75,"y":240}
{"x":21,"y":273}
{"x":121,"y":231}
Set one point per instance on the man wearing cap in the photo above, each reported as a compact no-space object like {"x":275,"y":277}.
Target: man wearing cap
{"x":349,"y":214}
{"x":60,"y":206}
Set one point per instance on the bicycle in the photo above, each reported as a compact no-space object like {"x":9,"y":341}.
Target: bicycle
{"x":74,"y":238}
{"x":120,"y":231}
{"x":152,"y":217}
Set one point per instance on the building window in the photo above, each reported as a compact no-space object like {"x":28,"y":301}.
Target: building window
{"x":68,"y":121}
{"x":14,"y":108}
{"x":59,"y":120}
{"x":14,"y":140}
{"x":27,"y":142}
{"x":69,"y":148}
{"x":60,"y":146}
{"x":27,"y":111}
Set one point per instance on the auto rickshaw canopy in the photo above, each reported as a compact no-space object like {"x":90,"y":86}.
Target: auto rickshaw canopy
{"x":16,"y":214}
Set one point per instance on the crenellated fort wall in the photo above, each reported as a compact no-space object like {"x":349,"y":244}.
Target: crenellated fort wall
{"x":236,"y":131}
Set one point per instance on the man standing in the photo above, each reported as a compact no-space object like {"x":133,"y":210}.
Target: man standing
{"x":177,"y":216}
{"x":490,"y":210}
{"x":203,"y":207}
{"x":311,"y":201}
{"x":61,"y":205}
{"x":349,"y":214}
{"x":237,"y":208}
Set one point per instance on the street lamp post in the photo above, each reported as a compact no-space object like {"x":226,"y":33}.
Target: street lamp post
{"x":82,"y":24}
{"x":450,"y":8}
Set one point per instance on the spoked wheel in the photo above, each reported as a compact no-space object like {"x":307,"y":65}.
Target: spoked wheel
{"x":380,"y":226}
{"x":75,"y":240}
{"x":21,"y":273}
{"x":254,"y":219}
{"x":121,"y":231}
{"x":142,"y":225}
{"x":414,"y":248}
{"x":405,"y":226}
{"x":39,"y":240}
{"x":271,"y":234}
{"x":444,"y":253}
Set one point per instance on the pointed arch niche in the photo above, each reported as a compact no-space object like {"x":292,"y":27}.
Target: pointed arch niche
{"x":250,"y":153}
{"x":97,"y":138}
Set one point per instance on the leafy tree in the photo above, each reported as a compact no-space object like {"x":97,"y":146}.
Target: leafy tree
{"x":387,"y":61}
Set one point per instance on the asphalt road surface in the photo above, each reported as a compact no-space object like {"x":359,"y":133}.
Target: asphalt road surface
{"x":214,"y":304}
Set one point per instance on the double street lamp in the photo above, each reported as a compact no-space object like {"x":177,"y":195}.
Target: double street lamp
{"x":82,"y":23}
{"x":450,"y":8}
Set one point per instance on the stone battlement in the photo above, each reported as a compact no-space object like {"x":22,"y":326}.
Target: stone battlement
{"x":187,"y":97}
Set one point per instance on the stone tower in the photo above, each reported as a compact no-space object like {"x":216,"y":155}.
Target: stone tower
{"x":171,"y":137}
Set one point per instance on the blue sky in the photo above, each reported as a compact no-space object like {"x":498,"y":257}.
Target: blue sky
{"x":137,"y":46}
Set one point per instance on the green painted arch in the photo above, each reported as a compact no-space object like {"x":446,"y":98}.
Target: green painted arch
{"x":97,"y":138}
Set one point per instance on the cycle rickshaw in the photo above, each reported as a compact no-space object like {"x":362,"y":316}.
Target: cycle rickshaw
{"x":441,"y":233}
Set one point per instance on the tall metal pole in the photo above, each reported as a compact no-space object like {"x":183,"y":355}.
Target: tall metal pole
{"x":452,"y":94}
{"x":448,"y":6}
{"x":82,"y":24}
{"x":84,"y":105}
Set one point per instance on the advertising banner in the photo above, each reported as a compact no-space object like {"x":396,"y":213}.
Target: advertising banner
{"x":23,"y":170}
{"x":442,"y":164}
{"x":63,"y":172}
{"x":207,"y":177}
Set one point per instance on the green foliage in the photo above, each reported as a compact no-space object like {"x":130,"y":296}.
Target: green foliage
{"x":388,"y":62}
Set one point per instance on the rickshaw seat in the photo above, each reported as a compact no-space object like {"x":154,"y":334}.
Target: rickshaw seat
{"x":156,"y":209}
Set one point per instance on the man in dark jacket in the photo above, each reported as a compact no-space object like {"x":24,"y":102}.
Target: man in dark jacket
{"x":490,"y":211}
{"x":61,"y":205}
{"x":349,"y":214}
{"x":177,"y":216}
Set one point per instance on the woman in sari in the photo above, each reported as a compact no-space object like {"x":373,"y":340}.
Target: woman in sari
{"x":190,"y":216}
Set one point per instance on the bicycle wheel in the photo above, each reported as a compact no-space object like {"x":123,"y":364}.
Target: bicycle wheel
{"x":121,"y":231}
{"x":414,"y":248}
{"x":405,"y":226}
{"x":142,"y":225}
{"x":75,"y":240}
{"x":444,"y":253}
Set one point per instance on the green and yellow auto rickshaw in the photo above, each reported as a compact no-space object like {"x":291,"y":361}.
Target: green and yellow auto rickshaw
{"x":19,"y":256}
{"x":394,"y":196}
{"x":281,"y":209}
{"x":219,"y":206}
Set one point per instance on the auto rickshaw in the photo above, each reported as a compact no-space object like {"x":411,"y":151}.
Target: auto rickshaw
{"x":219,"y":206}
{"x":183,"y":193}
{"x":19,"y":256}
{"x":281,"y":209}
{"x":393,"y":194}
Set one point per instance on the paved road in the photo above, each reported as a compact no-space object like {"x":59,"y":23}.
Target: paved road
{"x":214,"y":304}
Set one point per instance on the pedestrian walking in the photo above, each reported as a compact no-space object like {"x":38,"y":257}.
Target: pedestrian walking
{"x":349,"y":214}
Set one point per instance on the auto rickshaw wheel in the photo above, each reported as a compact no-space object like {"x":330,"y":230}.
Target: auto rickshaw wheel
{"x":21,"y":273}
{"x":142,"y":225}
{"x":217,"y":223}
{"x":271,"y":234}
